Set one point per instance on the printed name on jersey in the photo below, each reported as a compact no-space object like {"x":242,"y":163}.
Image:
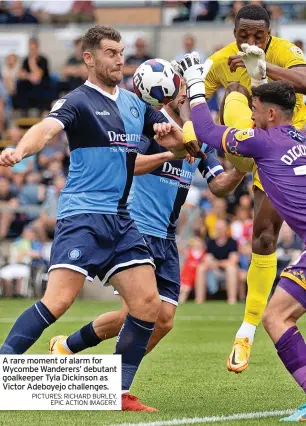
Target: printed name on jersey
{"x":297,"y":52}
{"x":102,"y":113}
{"x":177,"y":173}
{"x":58,"y":104}
{"x":245,"y":134}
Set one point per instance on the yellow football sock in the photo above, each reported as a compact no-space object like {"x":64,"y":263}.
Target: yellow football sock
{"x":261,"y":276}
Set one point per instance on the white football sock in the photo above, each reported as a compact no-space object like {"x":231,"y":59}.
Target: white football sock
{"x":246,"y":330}
{"x":64,"y":343}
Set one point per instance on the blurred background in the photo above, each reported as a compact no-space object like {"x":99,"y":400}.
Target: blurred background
{"x":40,"y":61}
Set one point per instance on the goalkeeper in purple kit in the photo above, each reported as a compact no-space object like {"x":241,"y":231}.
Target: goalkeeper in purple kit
{"x":279,"y":151}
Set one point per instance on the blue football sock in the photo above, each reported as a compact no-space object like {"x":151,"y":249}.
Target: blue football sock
{"x":82,"y":339}
{"x":27,"y":329}
{"x":132,"y":343}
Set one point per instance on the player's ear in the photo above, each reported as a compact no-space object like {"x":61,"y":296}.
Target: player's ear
{"x":271,"y":115}
{"x":88,"y":59}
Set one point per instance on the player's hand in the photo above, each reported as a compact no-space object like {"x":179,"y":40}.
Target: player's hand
{"x":255,"y":62}
{"x":235,"y":62}
{"x":194,"y":150}
{"x":194,"y":74}
{"x":9,"y":157}
{"x":168,"y":136}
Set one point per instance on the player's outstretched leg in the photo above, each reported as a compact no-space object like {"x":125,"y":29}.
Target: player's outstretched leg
{"x":286,"y":306}
{"x":63,"y":287}
{"x":107,"y":326}
{"x":138,"y":288}
{"x":260,"y":279}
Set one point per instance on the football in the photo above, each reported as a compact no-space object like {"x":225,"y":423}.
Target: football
{"x":155,"y":82}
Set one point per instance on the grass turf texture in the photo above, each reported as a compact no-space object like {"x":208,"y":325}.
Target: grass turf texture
{"x":184,"y":377}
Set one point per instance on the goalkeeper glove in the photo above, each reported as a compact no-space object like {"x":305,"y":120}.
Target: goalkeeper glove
{"x":254,"y":60}
{"x":194,"y":74}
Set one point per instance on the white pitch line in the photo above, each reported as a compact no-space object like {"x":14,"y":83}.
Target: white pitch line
{"x":214,"y":419}
{"x":177,"y":318}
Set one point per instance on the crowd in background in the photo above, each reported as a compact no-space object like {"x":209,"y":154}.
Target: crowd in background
{"x":214,"y":235}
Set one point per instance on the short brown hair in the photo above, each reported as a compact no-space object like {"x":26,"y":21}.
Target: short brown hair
{"x":94,"y":35}
{"x":280,"y":93}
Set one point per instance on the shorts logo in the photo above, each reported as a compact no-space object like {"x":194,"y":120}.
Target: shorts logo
{"x":58,"y":105}
{"x":242,"y":135}
{"x":74,"y":254}
{"x":134,"y":112}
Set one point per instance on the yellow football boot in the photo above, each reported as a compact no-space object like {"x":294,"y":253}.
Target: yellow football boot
{"x":56,"y":346}
{"x":238,"y":359}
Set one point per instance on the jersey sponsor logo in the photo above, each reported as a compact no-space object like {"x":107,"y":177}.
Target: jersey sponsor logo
{"x":245,"y":134}
{"x":297,"y":52}
{"x":58,"y":104}
{"x":102,"y":113}
{"x":177,"y":173}
{"x":123,"y":137}
{"x":74,"y":254}
{"x":134,"y":112}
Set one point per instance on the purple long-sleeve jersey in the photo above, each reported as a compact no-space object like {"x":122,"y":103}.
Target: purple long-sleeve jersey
{"x":280,"y":155}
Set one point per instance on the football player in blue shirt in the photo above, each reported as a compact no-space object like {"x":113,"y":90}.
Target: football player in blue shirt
{"x":159,"y":190}
{"x":95,"y":234}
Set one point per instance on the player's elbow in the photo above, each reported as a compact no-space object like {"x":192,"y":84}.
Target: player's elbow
{"x":218,"y":188}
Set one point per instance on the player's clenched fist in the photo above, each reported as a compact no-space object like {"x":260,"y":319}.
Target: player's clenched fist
{"x":9,"y":157}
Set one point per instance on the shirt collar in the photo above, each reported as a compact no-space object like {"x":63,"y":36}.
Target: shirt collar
{"x":98,"y":89}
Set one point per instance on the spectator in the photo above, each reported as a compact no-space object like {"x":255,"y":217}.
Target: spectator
{"x":132,"y":62}
{"x":8,"y":199}
{"x":19,"y":15}
{"x":45,"y":224}
{"x":194,"y":256}
{"x":241,"y":227}
{"x":10,"y":72}
{"x":32,"y":193}
{"x":217,"y":212}
{"x":221,"y":262}
{"x":82,"y":11}
{"x":51,"y":11}
{"x":23,"y":252}
{"x":26,"y":165}
{"x":205,"y":10}
{"x":189,"y":45}
{"x":234,"y":9}
{"x":34,"y":85}
{"x":75,"y":71}
{"x":184,"y":12}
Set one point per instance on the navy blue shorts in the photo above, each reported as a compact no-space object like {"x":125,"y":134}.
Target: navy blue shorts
{"x":98,"y":244}
{"x":167,"y":272}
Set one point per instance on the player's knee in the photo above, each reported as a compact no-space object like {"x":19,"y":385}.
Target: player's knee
{"x":234,"y":86}
{"x":265,"y":242}
{"x":165,"y":326}
{"x":59,"y":306}
{"x":148,"y":306}
{"x":164,"y":323}
{"x":271,"y":317}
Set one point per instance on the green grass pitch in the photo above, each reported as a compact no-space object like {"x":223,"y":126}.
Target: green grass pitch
{"x":184,"y":377}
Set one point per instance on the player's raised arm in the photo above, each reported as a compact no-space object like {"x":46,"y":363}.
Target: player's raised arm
{"x":31,"y":143}
{"x":223,"y":138}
